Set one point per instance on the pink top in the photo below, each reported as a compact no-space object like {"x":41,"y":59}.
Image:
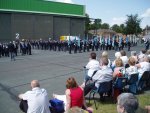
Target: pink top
{"x":76,"y":95}
{"x":117,"y":72}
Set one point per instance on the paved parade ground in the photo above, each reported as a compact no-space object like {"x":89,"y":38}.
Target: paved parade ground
{"x":49,"y":67}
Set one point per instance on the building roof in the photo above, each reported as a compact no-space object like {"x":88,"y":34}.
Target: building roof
{"x":42,"y":6}
{"x":102,"y":31}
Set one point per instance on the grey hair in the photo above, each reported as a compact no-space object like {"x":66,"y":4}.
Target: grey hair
{"x":128,"y":101}
{"x":105,"y":54}
{"x":133,"y":53}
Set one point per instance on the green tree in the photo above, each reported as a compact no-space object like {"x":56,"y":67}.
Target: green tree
{"x":133,"y":24}
{"x":87,"y":24}
{"x":105,"y":26}
{"x":116,"y":28}
{"x":97,"y":23}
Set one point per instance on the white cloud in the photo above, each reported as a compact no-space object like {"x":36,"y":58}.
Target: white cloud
{"x":146,"y":13}
{"x":65,"y":1}
{"x":118,"y":20}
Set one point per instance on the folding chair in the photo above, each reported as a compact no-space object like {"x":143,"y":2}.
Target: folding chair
{"x":145,"y":80}
{"x":104,"y":87}
{"x":132,"y":81}
{"x":119,"y":86}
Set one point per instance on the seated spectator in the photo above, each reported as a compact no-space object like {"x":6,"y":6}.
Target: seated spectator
{"x":75,"y":95}
{"x":143,"y":66}
{"x":148,"y":54}
{"x":119,"y":69}
{"x":134,"y":55}
{"x":102,"y":75}
{"x":127,"y":103}
{"x":132,"y":69}
{"x":92,"y":65}
{"x":141,"y":55}
{"x":124,"y":57}
{"x":105,"y":54}
{"x":117,"y":55}
{"x":35,"y":101}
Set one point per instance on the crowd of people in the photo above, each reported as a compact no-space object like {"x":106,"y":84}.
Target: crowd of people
{"x":98,"y":43}
{"x":101,"y":70}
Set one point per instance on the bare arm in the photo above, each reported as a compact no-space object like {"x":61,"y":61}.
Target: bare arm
{"x":68,"y":99}
{"x":20,"y":96}
{"x":138,"y":65}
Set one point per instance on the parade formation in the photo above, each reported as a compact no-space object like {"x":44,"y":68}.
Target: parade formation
{"x":116,"y":43}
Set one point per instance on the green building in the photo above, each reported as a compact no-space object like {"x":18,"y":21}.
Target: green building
{"x":35,"y":19}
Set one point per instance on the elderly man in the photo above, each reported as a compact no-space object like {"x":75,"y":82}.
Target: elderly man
{"x":102,"y":75}
{"x":36,"y":100}
{"x":127,"y":103}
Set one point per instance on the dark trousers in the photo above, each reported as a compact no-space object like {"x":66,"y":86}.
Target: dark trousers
{"x":23,"y":106}
{"x":88,"y":88}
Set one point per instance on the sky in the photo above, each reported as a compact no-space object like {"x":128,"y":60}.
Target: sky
{"x":115,"y":11}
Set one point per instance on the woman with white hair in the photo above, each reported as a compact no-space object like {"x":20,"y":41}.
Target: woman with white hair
{"x":105,"y":54}
{"x":127,"y":103}
{"x":117,"y":55}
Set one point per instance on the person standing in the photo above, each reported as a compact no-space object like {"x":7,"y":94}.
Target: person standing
{"x":36,"y":100}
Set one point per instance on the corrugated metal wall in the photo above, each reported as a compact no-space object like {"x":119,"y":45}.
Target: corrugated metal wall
{"x":61,"y":27}
{"x":36,"y":26}
{"x":5,"y":27}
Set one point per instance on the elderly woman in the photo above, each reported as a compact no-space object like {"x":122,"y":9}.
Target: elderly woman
{"x":124,"y":57}
{"x":134,"y":55}
{"x":132,"y":69}
{"x":143,"y":66}
{"x":105,"y":54}
{"x":75,"y":95}
{"x":127,"y":103}
{"x":119,"y":69}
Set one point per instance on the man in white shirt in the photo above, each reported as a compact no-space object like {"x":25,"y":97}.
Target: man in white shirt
{"x":143,"y":66}
{"x":92,"y":65}
{"x":37,"y":99}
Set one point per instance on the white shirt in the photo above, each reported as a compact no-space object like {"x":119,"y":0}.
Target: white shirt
{"x":124,"y":59}
{"x":131,"y":70}
{"x":103,"y":75}
{"x":37,"y":100}
{"x":145,"y":66}
{"x":92,"y":66}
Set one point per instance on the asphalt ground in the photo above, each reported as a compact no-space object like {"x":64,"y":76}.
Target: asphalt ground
{"x":49,"y":67}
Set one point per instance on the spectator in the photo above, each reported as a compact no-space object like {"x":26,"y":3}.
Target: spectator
{"x":92,"y":65}
{"x":102,"y":75}
{"x":134,"y":55}
{"x":75,"y":95}
{"x":127,"y":103}
{"x":35,"y":101}
{"x":118,"y":71}
{"x":105,"y":54}
{"x":141,"y":55}
{"x":143,"y":66}
{"x":117,"y":55}
{"x":124,"y":57}
{"x":132,"y":69}
{"x":148,"y":53}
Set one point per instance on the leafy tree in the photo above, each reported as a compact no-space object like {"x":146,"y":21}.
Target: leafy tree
{"x":87,"y":24}
{"x":116,"y":28}
{"x":97,"y":23}
{"x":105,"y":26}
{"x":133,"y":24}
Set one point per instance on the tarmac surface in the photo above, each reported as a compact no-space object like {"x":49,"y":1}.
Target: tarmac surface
{"x":49,"y":67}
